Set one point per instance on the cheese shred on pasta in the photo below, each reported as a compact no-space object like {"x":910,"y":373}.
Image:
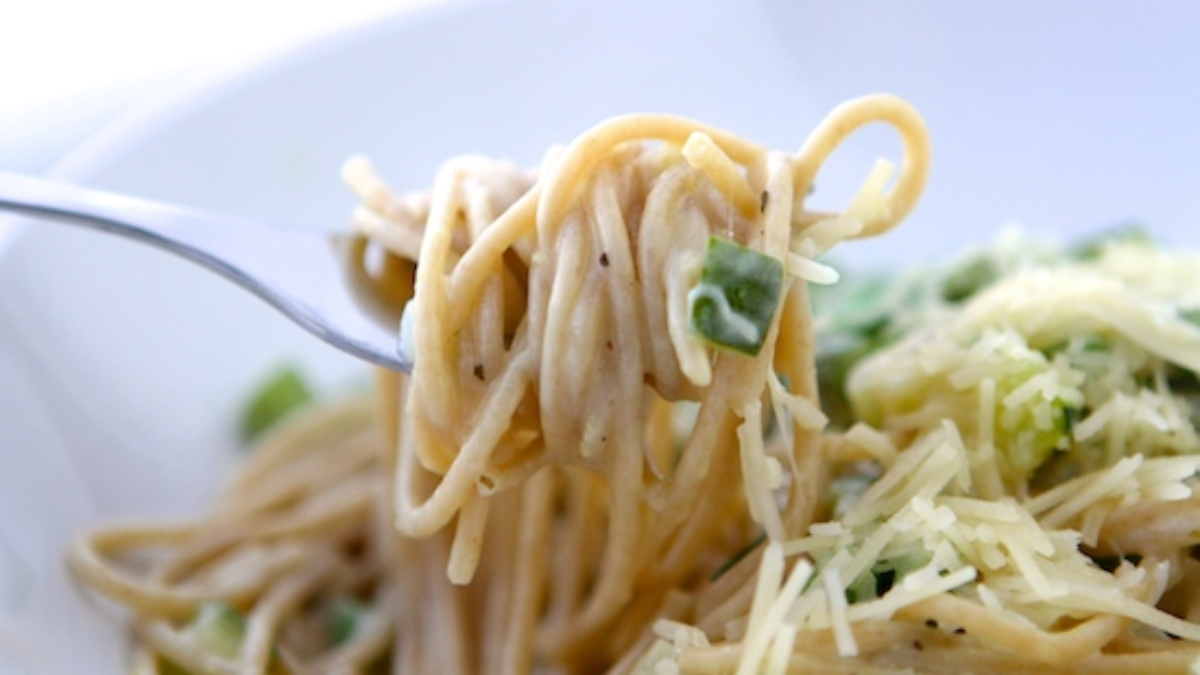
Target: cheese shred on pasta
{"x":617,"y":453}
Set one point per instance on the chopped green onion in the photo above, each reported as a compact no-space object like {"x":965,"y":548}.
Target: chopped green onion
{"x":1090,"y":248}
{"x":218,"y":629}
{"x":868,"y":586}
{"x":736,"y":298}
{"x":855,"y":318}
{"x":280,"y":394}
{"x":346,"y":617}
{"x":969,"y":277}
{"x":885,"y":574}
{"x":1024,"y":444}
{"x":1191,"y":315}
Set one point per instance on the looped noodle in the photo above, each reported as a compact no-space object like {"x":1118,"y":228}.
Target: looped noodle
{"x":848,"y":118}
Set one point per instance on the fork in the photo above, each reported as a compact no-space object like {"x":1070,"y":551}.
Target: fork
{"x":299,"y":272}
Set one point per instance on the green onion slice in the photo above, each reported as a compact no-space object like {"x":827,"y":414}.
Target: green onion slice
{"x":218,"y":629}
{"x":280,"y":394}
{"x":733,"y":304}
{"x":345,"y":619}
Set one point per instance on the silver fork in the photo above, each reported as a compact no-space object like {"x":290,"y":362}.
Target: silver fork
{"x":299,"y":272}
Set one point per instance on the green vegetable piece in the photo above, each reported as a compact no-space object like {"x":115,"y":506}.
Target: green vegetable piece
{"x":837,"y":355}
{"x":968,"y":278}
{"x":169,"y":667}
{"x":865,"y":587}
{"x":218,"y":629}
{"x":1191,"y":315}
{"x":1026,"y":435}
{"x":885,"y":574}
{"x":906,"y":563}
{"x":1091,"y":247}
{"x":1025,"y":446}
{"x":855,"y":319}
{"x":736,"y":298}
{"x":345,"y":619}
{"x":280,"y":394}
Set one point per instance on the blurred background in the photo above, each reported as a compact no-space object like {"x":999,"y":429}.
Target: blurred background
{"x":68,"y":67}
{"x":1078,"y":88}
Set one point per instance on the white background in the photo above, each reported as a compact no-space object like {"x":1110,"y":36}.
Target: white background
{"x":67,"y":67}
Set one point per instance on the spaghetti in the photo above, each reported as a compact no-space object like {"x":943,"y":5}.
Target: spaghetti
{"x":575,"y":479}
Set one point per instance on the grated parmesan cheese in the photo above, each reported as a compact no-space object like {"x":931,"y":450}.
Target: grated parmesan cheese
{"x":771,"y":605}
{"x":1000,"y":441}
{"x":810,"y":270}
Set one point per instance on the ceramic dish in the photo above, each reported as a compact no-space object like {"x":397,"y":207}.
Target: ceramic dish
{"x":121,"y":370}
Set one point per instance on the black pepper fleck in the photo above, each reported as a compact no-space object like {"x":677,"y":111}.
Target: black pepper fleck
{"x":604,"y":260}
{"x":479,"y":371}
{"x":762,"y":202}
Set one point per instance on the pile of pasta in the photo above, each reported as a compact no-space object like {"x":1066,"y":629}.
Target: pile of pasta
{"x":575,"y":478}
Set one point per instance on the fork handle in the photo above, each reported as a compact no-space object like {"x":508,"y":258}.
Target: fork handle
{"x":182,"y":231}
{"x":297,"y":271}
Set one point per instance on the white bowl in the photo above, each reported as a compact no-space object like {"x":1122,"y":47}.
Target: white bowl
{"x":121,"y":369}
